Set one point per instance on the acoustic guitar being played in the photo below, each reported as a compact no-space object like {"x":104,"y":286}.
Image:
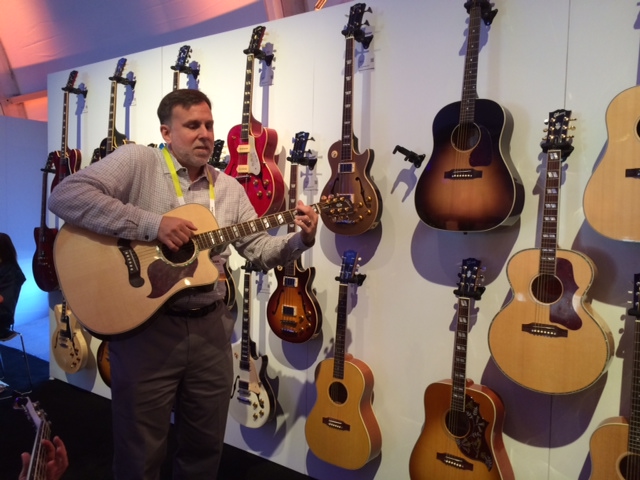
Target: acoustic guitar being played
{"x":462,"y":433}
{"x":548,"y":338}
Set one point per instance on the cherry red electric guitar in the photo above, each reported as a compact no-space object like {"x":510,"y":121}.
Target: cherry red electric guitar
{"x":469,"y":183}
{"x":350,"y":169}
{"x":44,"y":272}
{"x":252,"y":146}
{"x":548,"y":338}
{"x":293,"y":310}
{"x":462,"y":434}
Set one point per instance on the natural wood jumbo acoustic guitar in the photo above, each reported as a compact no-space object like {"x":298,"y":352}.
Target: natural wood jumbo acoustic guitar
{"x":341,"y":428}
{"x":548,"y":338}
{"x":252,"y":146}
{"x":115,"y":285}
{"x":615,"y":444}
{"x":470,"y":183}
{"x":253,"y":402}
{"x":293,"y":311}
{"x":350,"y":169}
{"x":612,"y":195}
{"x":462,"y":434}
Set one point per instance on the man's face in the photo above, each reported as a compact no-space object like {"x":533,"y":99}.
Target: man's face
{"x":189,"y":135}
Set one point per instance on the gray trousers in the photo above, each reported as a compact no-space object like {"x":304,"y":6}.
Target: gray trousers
{"x":173,"y":362}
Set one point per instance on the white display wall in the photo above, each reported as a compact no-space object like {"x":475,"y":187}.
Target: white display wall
{"x":535,"y":58}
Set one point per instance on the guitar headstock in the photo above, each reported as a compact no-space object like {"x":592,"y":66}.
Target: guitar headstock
{"x":70,"y":81}
{"x":35,"y":414}
{"x":117,"y":75}
{"x":256,"y":41}
{"x":470,"y":278}
{"x":250,"y":267}
{"x":635,"y":309}
{"x":354,"y":25}
{"x":558,"y":138}
{"x":299,"y":154}
{"x":486,"y":12}
{"x":349,"y":269}
{"x":183,"y":57}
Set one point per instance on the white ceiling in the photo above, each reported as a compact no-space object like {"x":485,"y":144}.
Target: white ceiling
{"x":38,"y":37}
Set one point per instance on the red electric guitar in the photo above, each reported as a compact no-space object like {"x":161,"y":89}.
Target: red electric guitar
{"x":462,"y":434}
{"x":293,"y":310}
{"x":44,"y":272}
{"x":252,"y":146}
{"x":350,"y":169}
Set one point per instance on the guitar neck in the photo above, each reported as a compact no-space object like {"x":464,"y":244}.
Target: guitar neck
{"x":459,"y":370}
{"x":247,"y":99}
{"x":176,"y":80}
{"x":634,"y":420}
{"x":469,"y":94}
{"x":341,"y":332}
{"x":347,"y":103}
{"x":245,"y":350}
{"x":112,"y":117}
{"x":549,"y":232}
{"x":64,"y":158}
{"x":38,"y":462}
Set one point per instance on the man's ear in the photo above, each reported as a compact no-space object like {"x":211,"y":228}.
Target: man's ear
{"x":165,"y":131}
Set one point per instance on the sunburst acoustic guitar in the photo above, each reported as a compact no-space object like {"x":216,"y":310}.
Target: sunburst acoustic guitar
{"x":612,"y":196}
{"x":350,"y":169}
{"x":462,"y":434}
{"x":469,"y":183}
{"x":342,"y":428}
{"x":615,"y":445}
{"x":548,"y":338}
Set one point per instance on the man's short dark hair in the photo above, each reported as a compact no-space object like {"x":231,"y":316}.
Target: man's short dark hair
{"x":184,"y":97}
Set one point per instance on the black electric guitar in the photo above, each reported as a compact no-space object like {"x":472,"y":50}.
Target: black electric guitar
{"x":350,"y":169}
{"x":293,"y":310}
{"x":615,"y":444}
{"x":253,"y":402}
{"x":548,"y":338}
{"x":68,"y":344}
{"x":342,"y":428}
{"x":38,"y":462}
{"x":114,"y":138}
{"x":462,"y":434}
{"x":469,"y":183}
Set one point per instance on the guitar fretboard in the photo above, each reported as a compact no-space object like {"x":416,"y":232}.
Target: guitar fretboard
{"x":247,"y":98}
{"x":469,"y":82}
{"x":634,"y":419}
{"x":347,"y":104}
{"x":459,"y":369}
{"x":112,"y":116}
{"x":341,"y":332}
{"x":245,"y":345}
{"x":549,"y":232}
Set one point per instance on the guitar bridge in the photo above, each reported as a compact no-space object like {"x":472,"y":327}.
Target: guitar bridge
{"x":463,"y":174}
{"x":541,"y":329}
{"x":453,"y":461}
{"x":335,"y":423}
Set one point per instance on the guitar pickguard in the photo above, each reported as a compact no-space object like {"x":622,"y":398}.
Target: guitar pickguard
{"x":164,"y":276}
{"x":474,"y":445}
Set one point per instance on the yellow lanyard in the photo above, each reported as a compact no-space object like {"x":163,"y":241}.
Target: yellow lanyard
{"x":176,"y":182}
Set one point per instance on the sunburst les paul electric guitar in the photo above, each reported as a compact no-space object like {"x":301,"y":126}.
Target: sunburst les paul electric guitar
{"x":548,"y":338}
{"x":462,"y":434}
{"x":115,"y":285}
{"x":350,"y":169}
{"x":615,"y":444}
{"x":293,"y":311}
{"x":342,"y":428}
{"x":68,"y":344}
{"x":469,"y":183}
{"x":612,"y":195}
{"x":252,"y":146}
{"x":253,"y":402}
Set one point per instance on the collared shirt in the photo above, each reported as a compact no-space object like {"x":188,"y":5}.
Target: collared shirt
{"x":126,"y":194}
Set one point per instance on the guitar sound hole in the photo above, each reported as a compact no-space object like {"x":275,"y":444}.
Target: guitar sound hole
{"x":465,"y":136}
{"x":338,"y":393}
{"x":546,"y":288}
{"x":630,"y":467}
{"x":182,"y":256}
{"x":457,"y":424}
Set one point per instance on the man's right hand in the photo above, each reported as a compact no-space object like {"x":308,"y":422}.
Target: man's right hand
{"x":175,"y":232}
